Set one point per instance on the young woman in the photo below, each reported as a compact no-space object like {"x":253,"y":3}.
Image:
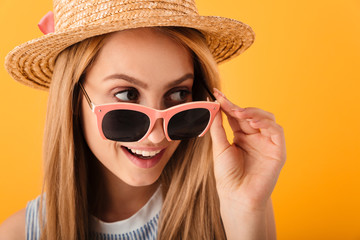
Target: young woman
{"x":127,"y":151}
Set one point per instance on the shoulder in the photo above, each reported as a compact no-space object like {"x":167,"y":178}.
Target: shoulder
{"x":14,"y":226}
{"x":22,"y":223}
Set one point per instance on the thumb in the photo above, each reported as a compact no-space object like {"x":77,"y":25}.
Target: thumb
{"x":218,"y":136}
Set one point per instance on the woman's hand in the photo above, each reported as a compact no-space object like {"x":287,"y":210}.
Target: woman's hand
{"x":246,"y":171}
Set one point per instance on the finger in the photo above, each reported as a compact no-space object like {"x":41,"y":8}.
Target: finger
{"x":270,"y":129}
{"x":226,"y":105}
{"x":254,"y":113}
{"x":240,"y":125}
{"x":218,"y":136}
{"x":237,"y":124}
{"x":248,"y":112}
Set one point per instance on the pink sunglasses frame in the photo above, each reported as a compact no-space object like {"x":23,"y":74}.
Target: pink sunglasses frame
{"x":102,"y":109}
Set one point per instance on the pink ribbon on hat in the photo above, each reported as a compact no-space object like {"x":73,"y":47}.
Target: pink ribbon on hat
{"x":46,"y":24}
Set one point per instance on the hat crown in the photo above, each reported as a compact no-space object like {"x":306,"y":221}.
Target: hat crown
{"x":76,"y":13}
{"x":33,"y":62}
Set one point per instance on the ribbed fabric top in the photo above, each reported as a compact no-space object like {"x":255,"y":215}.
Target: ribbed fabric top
{"x":32,"y":229}
{"x":143,"y":225}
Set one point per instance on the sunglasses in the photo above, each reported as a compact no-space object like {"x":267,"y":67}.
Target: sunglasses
{"x":130,"y":122}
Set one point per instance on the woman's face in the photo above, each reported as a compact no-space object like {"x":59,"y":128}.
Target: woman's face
{"x":141,"y":66}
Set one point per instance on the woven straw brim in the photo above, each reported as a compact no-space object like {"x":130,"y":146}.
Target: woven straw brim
{"x":32,"y":63}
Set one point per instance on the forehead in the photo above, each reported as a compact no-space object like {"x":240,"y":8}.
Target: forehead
{"x":145,"y":53}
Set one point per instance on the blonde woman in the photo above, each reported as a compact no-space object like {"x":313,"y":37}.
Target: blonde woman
{"x":134,"y":146}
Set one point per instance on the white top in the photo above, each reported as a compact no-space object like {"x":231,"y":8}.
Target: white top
{"x":143,"y":225}
{"x":144,"y":222}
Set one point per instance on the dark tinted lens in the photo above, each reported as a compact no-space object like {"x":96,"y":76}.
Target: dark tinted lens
{"x":188,"y":123}
{"x":125,"y":125}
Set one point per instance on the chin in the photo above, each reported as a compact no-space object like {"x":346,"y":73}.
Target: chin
{"x":141,"y":181}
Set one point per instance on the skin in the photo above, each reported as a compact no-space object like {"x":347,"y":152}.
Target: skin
{"x":246,"y":170}
{"x":148,"y":57}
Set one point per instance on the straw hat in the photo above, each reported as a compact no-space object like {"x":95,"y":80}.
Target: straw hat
{"x":32,"y":63}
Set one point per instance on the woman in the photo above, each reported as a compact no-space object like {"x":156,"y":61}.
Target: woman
{"x":122,"y":157}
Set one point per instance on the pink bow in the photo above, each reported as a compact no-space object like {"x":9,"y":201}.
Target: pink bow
{"x":46,"y":24}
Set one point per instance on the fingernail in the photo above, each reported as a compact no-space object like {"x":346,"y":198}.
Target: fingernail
{"x":217,"y":92}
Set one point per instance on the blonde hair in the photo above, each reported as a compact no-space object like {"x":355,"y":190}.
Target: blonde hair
{"x":68,"y":160}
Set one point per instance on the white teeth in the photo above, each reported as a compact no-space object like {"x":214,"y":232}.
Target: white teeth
{"x":144,"y":153}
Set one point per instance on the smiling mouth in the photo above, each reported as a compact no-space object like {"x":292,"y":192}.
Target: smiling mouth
{"x":142,"y":154}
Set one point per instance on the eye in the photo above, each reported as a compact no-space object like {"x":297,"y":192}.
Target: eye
{"x":128,"y":95}
{"x":178,"y":96}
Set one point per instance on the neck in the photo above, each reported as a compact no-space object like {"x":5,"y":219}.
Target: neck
{"x":119,"y":200}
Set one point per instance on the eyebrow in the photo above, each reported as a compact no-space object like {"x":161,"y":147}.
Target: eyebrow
{"x":144,"y":85}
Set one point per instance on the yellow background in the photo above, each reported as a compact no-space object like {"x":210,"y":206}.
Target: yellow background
{"x":303,"y":67}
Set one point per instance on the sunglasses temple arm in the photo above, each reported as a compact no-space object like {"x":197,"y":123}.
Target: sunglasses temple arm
{"x":91,"y":105}
{"x":207,"y":89}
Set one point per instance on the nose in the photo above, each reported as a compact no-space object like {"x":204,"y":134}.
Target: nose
{"x":157,"y":134}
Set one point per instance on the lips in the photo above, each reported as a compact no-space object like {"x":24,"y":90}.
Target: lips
{"x":143,"y":158}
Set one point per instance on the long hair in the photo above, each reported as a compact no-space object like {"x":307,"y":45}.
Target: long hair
{"x":191,"y":206}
